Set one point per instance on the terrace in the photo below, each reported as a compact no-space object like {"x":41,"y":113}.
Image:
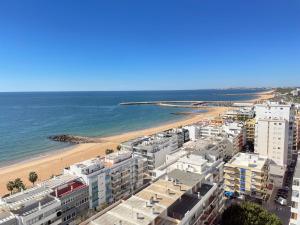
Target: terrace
{"x":35,"y":206}
{"x":6,"y":217}
{"x":71,"y":187}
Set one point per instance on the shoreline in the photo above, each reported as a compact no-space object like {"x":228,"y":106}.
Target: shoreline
{"x":54,"y":162}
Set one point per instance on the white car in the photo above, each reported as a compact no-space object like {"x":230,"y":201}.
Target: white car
{"x":281,"y":201}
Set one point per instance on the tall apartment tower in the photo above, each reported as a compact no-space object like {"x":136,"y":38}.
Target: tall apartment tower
{"x":274,"y":131}
{"x":271,"y":140}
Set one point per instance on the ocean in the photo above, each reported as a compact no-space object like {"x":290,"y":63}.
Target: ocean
{"x":28,"y":119}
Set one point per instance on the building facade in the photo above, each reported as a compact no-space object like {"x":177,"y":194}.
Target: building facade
{"x":250,"y":130}
{"x":181,"y":198}
{"x":110,"y":178}
{"x":271,"y":140}
{"x":154,"y":148}
{"x":295,"y":199}
{"x":74,"y":198}
{"x":246,"y":174}
{"x":266,"y":115}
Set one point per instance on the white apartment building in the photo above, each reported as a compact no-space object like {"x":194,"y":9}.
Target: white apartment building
{"x":40,"y":204}
{"x":210,"y":130}
{"x":110,"y":178}
{"x":233,"y":131}
{"x":46,"y":210}
{"x":93,"y":172}
{"x":236,"y":133}
{"x":154,"y":148}
{"x":297,"y":132}
{"x":7,"y":218}
{"x":295,"y":206}
{"x":126,"y":174}
{"x":274,"y":131}
{"x":271,"y":140}
{"x":238,"y":114}
{"x":181,"y":198}
{"x":34,"y":206}
{"x":246,"y":174}
{"x":207,"y":162}
{"x":194,"y":131}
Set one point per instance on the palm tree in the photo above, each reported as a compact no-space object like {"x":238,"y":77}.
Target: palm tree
{"x":19,"y":185}
{"x":33,"y":177}
{"x":10,"y":186}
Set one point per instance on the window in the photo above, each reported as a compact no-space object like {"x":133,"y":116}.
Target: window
{"x":296,"y":182}
{"x":294,"y":216}
{"x":295,"y":205}
{"x":295,"y":194}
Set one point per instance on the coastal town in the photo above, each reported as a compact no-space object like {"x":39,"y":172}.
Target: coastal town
{"x":189,"y":172}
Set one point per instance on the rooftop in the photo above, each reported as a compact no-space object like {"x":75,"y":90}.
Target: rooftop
{"x":248,"y":160}
{"x":27,"y":195}
{"x":5,"y":216}
{"x":143,"y":207}
{"x":89,"y":166}
{"x":71,"y":187}
{"x":117,"y":157}
{"x":57,"y":181}
{"x":24,"y":210}
{"x":273,"y":104}
{"x":186,"y":178}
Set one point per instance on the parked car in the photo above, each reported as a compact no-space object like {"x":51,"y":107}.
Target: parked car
{"x":281,"y":201}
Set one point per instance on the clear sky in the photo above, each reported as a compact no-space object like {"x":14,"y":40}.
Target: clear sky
{"x":148,"y":44}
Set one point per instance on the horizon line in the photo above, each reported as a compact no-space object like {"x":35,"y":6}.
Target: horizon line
{"x":229,"y":88}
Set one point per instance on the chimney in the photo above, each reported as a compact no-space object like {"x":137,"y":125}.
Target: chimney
{"x":199,"y":196}
{"x":153,"y":210}
{"x":151,"y":200}
{"x":40,"y":206}
{"x":56,"y":193}
{"x":71,"y":187}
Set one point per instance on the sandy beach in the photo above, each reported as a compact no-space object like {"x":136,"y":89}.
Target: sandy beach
{"x":54,"y":163}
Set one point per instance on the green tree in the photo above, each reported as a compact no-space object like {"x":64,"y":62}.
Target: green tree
{"x":248,"y":214}
{"x":19,"y":185}
{"x":10,"y":186}
{"x":119,"y":147}
{"x":32,"y":177}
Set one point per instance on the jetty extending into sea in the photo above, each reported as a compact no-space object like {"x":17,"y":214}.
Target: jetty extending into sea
{"x":188,"y":104}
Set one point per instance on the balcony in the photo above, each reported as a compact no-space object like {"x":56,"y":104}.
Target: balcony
{"x":230,"y":171}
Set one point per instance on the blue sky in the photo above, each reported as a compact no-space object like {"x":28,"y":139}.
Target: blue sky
{"x":146,"y":45}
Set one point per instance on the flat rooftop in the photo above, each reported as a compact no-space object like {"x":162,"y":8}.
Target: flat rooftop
{"x":90,"y":162}
{"x":31,"y":208}
{"x":182,"y":206}
{"x":58,"y":181}
{"x":248,"y":160}
{"x":134,"y":141}
{"x":27,"y":195}
{"x":194,"y":159}
{"x":188,"y":179}
{"x":5,"y":216}
{"x":146,"y":206}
